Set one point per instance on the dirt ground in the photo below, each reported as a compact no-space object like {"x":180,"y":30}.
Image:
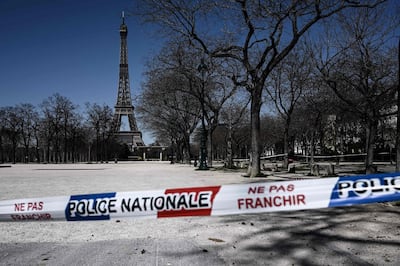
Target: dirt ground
{"x":359,"y":235}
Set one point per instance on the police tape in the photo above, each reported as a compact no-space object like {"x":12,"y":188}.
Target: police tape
{"x":208,"y":201}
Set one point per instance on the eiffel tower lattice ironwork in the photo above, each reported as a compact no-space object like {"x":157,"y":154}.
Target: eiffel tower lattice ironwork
{"x":124,"y":107}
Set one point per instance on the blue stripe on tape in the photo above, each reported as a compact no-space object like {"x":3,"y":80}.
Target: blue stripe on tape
{"x":89,"y":207}
{"x":351,"y":190}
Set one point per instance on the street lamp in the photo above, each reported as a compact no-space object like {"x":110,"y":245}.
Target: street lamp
{"x":202,"y":68}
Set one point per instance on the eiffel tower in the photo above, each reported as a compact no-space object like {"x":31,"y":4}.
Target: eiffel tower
{"x":124,"y":107}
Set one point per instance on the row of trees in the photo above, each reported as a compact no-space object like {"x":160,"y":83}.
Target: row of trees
{"x":308,"y":61}
{"x":55,"y":131}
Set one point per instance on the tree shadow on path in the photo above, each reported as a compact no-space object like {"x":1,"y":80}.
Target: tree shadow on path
{"x":361,"y":235}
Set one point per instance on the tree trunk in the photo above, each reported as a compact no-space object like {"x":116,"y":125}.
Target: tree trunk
{"x":286,"y":144}
{"x":14,"y":151}
{"x":65,"y":145}
{"x":102,"y":158}
{"x":255,"y":167}
{"x":210,"y":147}
{"x":229,"y":155}
{"x":1,"y":150}
{"x":26,"y":153}
{"x":369,"y":143}
{"x":186,"y":150}
{"x":97,"y":146}
{"x":48,"y":150}
{"x":312,"y":148}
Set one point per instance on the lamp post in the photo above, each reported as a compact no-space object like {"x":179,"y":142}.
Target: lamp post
{"x":202,"y":68}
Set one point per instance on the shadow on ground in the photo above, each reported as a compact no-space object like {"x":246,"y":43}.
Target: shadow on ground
{"x":362,"y":235}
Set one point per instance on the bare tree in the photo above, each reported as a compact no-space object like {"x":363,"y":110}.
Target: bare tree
{"x":77,"y":137}
{"x":100,"y":119}
{"x":58,"y":112}
{"x":29,"y":119}
{"x":13,"y":129}
{"x":362,"y":72}
{"x":289,"y":80}
{"x":2,"y":133}
{"x":167,"y":111}
{"x":212,"y":86}
{"x":220,"y":90}
{"x":256,"y":34}
{"x":272,"y":131}
{"x":234,"y":116}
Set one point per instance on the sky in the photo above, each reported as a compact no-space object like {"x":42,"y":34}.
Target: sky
{"x":70,"y":47}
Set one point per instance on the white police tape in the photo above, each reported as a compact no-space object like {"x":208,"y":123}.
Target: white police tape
{"x":208,"y":201}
